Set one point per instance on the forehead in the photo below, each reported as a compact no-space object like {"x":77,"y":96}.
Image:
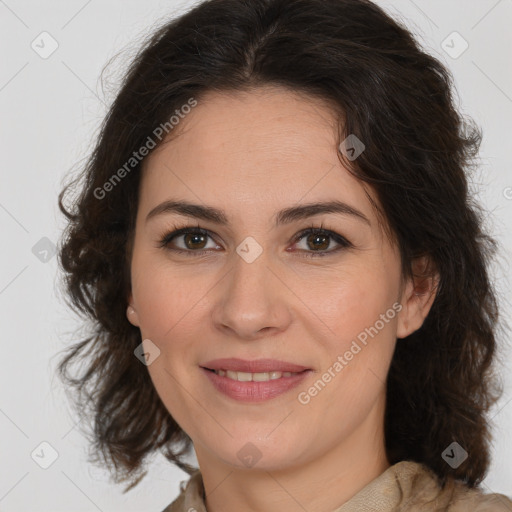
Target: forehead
{"x":255,"y":149}
{"x":255,"y":125}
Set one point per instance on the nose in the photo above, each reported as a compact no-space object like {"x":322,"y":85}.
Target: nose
{"x":251,"y":300}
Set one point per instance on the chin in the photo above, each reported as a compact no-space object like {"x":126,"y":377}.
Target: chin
{"x":244,"y":453}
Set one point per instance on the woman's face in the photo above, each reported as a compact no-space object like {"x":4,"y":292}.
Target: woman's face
{"x":252,"y":289}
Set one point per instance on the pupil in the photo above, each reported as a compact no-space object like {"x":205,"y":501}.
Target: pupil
{"x":319,"y":237}
{"x":195,"y":238}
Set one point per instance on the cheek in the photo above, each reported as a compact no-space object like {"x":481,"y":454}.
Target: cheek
{"x":360,"y":310}
{"x":167,"y":307}
{"x":354,"y":301}
{"x":164,"y":297}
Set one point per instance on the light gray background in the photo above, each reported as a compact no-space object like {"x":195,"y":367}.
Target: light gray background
{"x":51,"y":109}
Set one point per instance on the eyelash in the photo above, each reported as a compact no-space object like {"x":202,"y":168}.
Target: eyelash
{"x":177,"y":231}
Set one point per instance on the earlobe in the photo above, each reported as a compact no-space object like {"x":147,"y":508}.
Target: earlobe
{"x":131,"y":313}
{"x":417,"y":297}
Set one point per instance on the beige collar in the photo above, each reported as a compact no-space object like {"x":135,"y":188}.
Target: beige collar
{"x":405,"y":486}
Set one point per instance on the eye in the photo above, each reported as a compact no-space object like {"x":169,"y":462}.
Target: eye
{"x":193,"y":241}
{"x":188,"y":240}
{"x":319,"y":240}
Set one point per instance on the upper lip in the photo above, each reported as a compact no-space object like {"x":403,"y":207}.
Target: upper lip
{"x":255,"y":366}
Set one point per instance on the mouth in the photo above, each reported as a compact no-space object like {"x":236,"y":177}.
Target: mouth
{"x":254,"y":387}
{"x":254,"y":381}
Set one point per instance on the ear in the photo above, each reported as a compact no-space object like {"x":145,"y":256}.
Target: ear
{"x":417,"y":296}
{"x":131,"y":312}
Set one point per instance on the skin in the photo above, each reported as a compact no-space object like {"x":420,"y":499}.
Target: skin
{"x":252,"y":154}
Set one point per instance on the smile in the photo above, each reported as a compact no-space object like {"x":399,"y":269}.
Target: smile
{"x":255,"y":377}
{"x":254,"y":387}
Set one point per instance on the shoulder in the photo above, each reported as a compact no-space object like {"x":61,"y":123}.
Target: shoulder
{"x":475,"y":500}
{"x":425,"y":493}
{"x":191,"y":497}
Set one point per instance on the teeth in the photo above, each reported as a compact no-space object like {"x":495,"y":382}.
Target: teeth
{"x":256,"y":377}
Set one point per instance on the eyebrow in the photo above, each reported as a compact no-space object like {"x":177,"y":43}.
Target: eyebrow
{"x":285,"y":216}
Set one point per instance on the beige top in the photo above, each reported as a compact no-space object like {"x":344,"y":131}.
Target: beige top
{"x":403,"y":487}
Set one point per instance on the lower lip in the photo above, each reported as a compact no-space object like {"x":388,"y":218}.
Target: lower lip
{"x":254,"y":391}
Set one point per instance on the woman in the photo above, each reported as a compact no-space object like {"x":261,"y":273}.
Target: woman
{"x":285,"y":271}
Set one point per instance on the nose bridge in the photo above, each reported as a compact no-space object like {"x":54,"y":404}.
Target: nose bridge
{"x":251,"y":300}
{"x":250,"y":270}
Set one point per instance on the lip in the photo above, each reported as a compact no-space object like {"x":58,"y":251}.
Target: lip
{"x":254,"y":391}
{"x":256,"y":366}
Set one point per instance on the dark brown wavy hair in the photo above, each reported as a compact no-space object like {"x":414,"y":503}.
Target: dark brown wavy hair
{"x":395,"y":98}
